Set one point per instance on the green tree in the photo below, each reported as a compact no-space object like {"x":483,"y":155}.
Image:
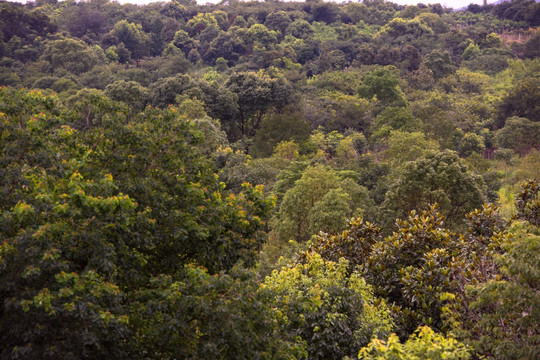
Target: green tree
{"x":522,"y":100}
{"x":174,"y":9}
{"x":333,"y":312}
{"x":438,"y":177}
{"x":384,"y":84}
{"x":300,"y":29}
{"x":395,"y":118}
{"x":164,"y":91}
{"x":532,"y":46}
{"x":88,"y":217}
{"x":330,"y":213}
{"x":528,"y":203}
{"x":72,"y":55}
{"x":470,"y":144}
{"x":183,"y":41}
{"x":439,"y":63}
{"x":200,"y":22}
{"x":423,"y":344}
{"x":129,"y":92}
{"x":407,"y":146}
{"x":353,"y":244}
{"x":519,"y":134}
{"x":257,"y":94}
{"x":276,"y":128}
{"x":411,"y":268}
{"x":133,"y":37}
{"x":278,"y":21}
{"x":180,"y":319}
{"x":508,"y":325}
{"x":292,"y":220}
{"x":307,"y":205}
{"x":400,"y":27}
{"x":260,"y":33}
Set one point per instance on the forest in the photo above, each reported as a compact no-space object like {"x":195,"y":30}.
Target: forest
{"x":269,"y":180}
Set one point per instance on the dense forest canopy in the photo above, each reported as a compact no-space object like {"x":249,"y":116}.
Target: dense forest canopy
{"x":269,"y":180}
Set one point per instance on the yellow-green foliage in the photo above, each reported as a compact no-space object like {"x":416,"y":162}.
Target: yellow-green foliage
{"x":424,"y":344}
{"x":336,"y":314}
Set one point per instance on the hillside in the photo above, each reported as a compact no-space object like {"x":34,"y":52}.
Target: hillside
{"x":269,"y":180}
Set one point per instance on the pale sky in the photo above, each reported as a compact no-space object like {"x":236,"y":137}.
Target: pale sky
{"x":455,"y":4}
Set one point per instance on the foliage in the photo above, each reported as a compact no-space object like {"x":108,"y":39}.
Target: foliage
{"x":407,"y":146}
{"x":411,"y":269}
{"x":528,"y":203}
{"x":88,"y":216}
{"x":130,"y":92}
{"x":383,"y":84}
{"x":75,"y":56}
{"x":439,"y":177}
{"x":179,"y":320}
{"x":257,"y":94}
{"x":395,"y":118}
{"x":354,"y":244}
{"x":509,"y":309}
{"x":423,"y":344}
{"x":521,"y":101}
{"x":519,"y":134}
{"x":307,"y":208}
{"x":333,"y":313}
{"x":124,"y":205}
{"x":133,"y":37}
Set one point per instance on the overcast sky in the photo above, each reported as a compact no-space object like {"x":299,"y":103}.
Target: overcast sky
{"x":455,"y":4}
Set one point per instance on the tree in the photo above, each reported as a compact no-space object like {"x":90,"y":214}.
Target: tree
{"x":164,"y":91}
{"x":508,"y":325}
{"x":306,"y":206}
{"x":130,"y":92}
{"x":18,"y":21}
{"x":260,"y":33}
{"x":325,"y":12}
{"x":353,"y":244}
{"x":183,"y":41}
{"x":438,"y":177}
{"x":292,"y":221}
{"x":300,"y":29}
{"x":330,"y":213}
{"x":400,"y":27}
{"x":278,"y":21}
{"x":200,"y":22}
{"x":257,"y":94}
{"x":528,"y":203}
{"x":89,"y":217}
{"x":82,"y":20}
{"x":395,"y":118}
{"x":174,"y":9}
{"x":522,"y":101}
{"x":181,"y":316}
{"x":72,"y":55}
{"x":519,"y":134}
{"x":333,"y":312}
{"x":228,"y":46}
{"x":423,"y":344}
{"x":276,"y":128}
{"x":439,"y":63}
{"x":407,"y":146}
{"x":384,"y":84}
{"x":470,"y":144}
{"x":532,"y":46}
{"x":411,"y":268}
{"x":221,"y":103}
{"x":133,"y":37}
